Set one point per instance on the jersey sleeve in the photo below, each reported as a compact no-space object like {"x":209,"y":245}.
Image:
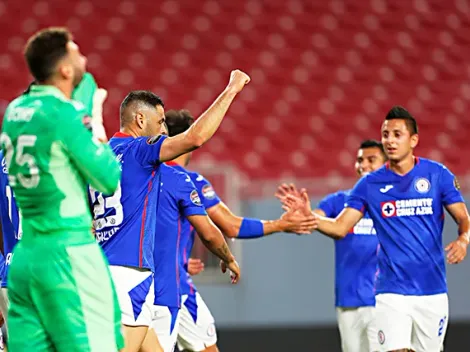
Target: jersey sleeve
{"x":188,"y":198}
{"x":449,"y":187}
{"x":358,"y":195}
{"x":329,"y":205}
{"x":209,"y":197}
{"x":95,"y":161}
{"x":147,"y":149}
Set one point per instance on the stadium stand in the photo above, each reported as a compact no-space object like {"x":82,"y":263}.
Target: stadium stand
{"x":324,"y":72}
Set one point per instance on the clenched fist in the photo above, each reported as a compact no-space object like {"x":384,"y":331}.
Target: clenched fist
{"x":238,"y":80}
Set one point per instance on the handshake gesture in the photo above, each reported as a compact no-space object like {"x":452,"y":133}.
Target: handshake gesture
{"x":298,"y":217}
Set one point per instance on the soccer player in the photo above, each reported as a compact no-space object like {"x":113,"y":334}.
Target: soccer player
{"x":406,"y":200}
{"x":61,"y":294}
{"x":355,"y":259}
{"x":125,"y":223}
{"x":179,"y":207}
{"x":197,"y":328}
{"x":11,"y":231}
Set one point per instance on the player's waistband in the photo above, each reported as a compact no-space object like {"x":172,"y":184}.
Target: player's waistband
{"x":59,"y":237}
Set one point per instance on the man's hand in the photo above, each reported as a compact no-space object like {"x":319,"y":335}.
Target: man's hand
{"x":301,"y":203}
{"x":238,"y":80}
{"x":296,"y":221}
{"x":97,"y":115}
{"x":234,"y":270}
{"x":285,"y":189}
{"x":195,"y":266}
{"x":457,"y":250}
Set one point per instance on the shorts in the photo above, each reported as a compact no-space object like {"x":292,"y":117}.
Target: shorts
{"x":166,"y":321}
{"x":197,"y":325}
{"x":61,"y":296}
{"x":357,"y":329}
{"x":414,"y":322}
{"x":135,"y":293}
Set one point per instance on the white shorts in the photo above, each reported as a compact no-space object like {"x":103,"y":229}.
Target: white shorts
{"x":357,"y":329}
{"x":414,"y":322}
{"x":197,"y":326}
{"x":134,"y":288}
{"x":165,"y":323}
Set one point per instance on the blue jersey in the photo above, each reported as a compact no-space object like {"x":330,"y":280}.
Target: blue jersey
{"x":125,"y":221}
{"x":355,"y":257}
{"x":11,"y":222}
{"x":209,"y":199}
{"x":178,"y":199}
{"x":408,"y":216}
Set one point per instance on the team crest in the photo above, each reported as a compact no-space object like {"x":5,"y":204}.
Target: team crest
{"x":194,"y":196}
{"x":381,"y":337}
{"x":422,"y":185}
{"x":208,"y":192}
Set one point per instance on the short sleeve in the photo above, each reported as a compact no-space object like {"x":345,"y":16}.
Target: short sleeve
{"x":147,"y":149}
{"x":209,"y":197}
{"x":358,"y":195}
{"x":329,"y":205}
{"x":188,"y":198}
{"x":449,"y":187}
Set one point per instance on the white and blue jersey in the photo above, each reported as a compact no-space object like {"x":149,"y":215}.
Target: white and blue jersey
{"x":355,"y":257}
{"x":178,"y":199}
{"x":11,"y":222}
{"x":125,"y":222}
{"x":209,"y":199}
{"x":408,"y":216}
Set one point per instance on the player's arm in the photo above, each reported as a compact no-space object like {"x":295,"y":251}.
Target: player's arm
{"x":339,"y":227}
{"x":95,"y":161}
{"x":454,"y":203}
{"x":234,"y":226}
{"x":206,"y":125}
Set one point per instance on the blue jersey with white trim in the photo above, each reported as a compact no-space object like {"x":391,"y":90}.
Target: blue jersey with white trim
{"x":408,"y":216}
{"x":125,"y":222}
{"x":355,"y":257}
{"x":209,"y":198}
{"x":11,"y":221}
{"x":178,"y":199}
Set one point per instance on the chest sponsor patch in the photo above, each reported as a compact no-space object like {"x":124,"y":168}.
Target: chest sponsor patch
{"x":406,"y":207}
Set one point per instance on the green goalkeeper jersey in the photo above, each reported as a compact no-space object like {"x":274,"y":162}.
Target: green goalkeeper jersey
{"x":51,"y":158}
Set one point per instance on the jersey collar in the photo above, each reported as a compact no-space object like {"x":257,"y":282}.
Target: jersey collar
{"x":47,"y":89}
{"x":172,"y":163}
{"x":121,"y":135}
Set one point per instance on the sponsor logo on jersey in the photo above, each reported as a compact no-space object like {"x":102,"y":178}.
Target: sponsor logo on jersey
{"x":386,"y":188}
{"x":364,"y":227}
{"x":154,"y":139}
{"x":456,"y":184}
{"x":8,"y":258}
{"x":21,"y":114}
{"x":208,"y":192}
{"x":194,"y":196}
{"x":103,"y":236}
{"x":422,"y":185}
{"x":4,"y":166}
{"x":407,"y":207}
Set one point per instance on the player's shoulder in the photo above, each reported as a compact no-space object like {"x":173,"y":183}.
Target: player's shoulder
{"x":341,"y":194}
{"x":431,"y":166}
{"x":175,"y":174}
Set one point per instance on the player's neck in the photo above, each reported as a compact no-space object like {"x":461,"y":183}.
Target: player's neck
{"x":181,"y":160}
{"x":128,"y":130}
{"x":64,"y":86}
{"x":402,"y":167}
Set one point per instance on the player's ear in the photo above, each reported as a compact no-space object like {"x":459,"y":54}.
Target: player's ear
{"x":66,"y":70}
{"x":414,"y":140}
{"x":140,"y":120}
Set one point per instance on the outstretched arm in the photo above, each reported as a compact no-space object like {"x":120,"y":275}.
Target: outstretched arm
{"x":207,"y":124}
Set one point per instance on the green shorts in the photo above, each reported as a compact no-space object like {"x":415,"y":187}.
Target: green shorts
{"x":61,"y":296}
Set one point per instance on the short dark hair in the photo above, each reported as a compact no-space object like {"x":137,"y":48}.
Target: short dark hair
{"x":138,"y":97}
{"x":399,"y":112}
{"x":44,"y":50}
{"x":372,"y":143}
{"x":178,"y":121}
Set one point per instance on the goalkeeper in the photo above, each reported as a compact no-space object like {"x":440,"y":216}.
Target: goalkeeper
{"x":61,"y":294}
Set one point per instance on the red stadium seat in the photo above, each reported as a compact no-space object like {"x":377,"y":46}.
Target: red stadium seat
{"x":324,"y":73}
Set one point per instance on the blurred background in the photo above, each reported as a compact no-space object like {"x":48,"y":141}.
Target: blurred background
{"x":324,"y":74}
